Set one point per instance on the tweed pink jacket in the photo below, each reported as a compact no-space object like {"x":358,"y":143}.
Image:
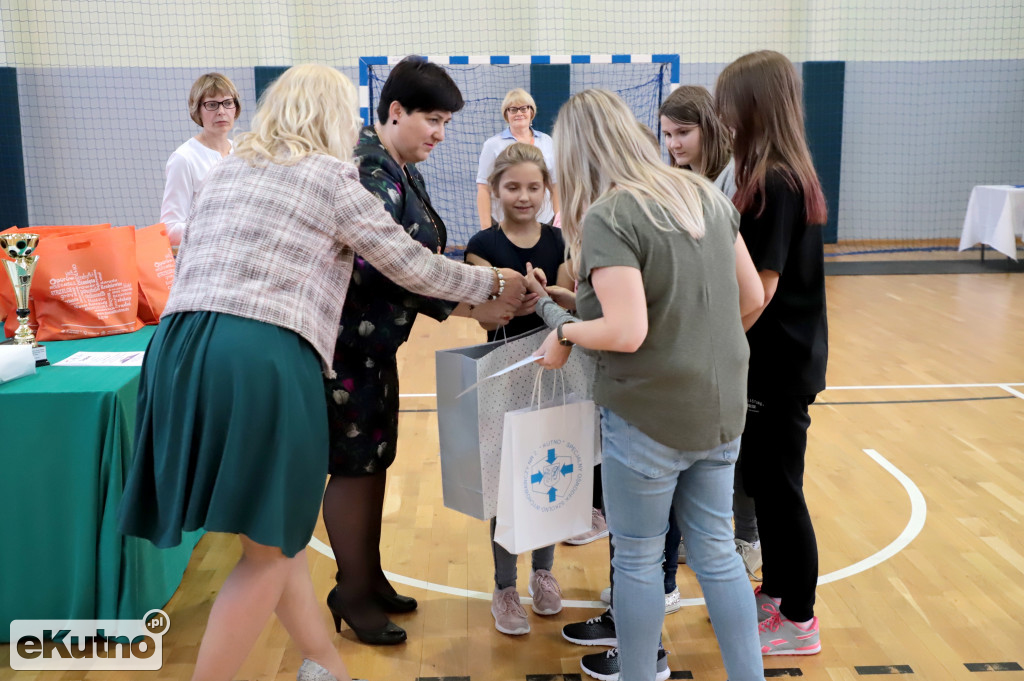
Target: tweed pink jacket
{"x":276,"y":243}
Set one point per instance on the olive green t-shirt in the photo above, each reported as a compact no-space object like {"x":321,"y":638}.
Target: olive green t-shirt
{"x":686,"y":386}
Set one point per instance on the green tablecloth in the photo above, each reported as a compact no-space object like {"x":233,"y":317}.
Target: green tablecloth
{"x":65,"y":450}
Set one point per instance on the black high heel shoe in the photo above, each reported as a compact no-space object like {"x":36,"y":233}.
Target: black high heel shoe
{"x":388,"y":635}
{"x":394,"y":604}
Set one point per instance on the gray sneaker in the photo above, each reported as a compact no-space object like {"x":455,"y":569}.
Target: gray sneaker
{"x":509,"y":615}
{"x":547,"y":595}
{"x":780,"y":636}
{"x":766,"y":605}
{"x":751,"y":555}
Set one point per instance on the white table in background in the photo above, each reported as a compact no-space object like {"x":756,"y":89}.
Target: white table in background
{"x":995,"y":216}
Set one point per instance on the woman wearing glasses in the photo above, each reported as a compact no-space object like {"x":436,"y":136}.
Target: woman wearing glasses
{"x":518,"y":109}
{"x":214,"y":105}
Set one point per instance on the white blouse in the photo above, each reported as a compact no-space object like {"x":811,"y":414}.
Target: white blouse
{"x":186,"y":169}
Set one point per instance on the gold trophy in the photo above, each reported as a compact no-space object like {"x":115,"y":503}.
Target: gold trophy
{"x":20,"y":269}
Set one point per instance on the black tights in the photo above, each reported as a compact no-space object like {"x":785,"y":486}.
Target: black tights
{"x":353,"y":510}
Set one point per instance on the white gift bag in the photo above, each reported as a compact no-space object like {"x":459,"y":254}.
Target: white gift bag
{"x":546,"y":487}
{"x":470,"y":423}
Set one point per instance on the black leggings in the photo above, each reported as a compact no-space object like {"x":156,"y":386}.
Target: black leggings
{"x":772,"y":453}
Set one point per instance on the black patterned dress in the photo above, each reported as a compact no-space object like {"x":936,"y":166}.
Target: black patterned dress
{"x":377,"y":318}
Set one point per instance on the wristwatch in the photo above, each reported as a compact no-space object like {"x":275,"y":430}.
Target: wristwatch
{"x":562,"y":340}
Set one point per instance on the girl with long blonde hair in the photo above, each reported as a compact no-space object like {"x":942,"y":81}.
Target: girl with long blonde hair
{"x":664,"y":281}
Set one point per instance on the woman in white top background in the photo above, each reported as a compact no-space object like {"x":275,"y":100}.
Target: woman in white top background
{"x":214,"y":105}
{"x":518,"y":109}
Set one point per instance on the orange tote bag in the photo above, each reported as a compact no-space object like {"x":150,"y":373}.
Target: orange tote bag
{"x":156,"y":271}
{"x":45,"y":232}
{"x":87,"y":285}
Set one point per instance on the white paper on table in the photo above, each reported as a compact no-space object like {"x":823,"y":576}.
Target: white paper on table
{"x":530,"y":359}
{"x":16,"y":361}
{"x":103,"y":359}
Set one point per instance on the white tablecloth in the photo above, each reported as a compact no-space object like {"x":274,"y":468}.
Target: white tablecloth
{"x":995,"y":215}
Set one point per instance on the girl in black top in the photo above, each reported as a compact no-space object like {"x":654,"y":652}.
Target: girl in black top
{"x":519,"y":176}
{"x":518,"y":181}
{"x":782,"y":209}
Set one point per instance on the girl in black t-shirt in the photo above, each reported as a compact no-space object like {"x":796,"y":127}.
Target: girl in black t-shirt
{"x":782,"y":209}
{"x":518,"y":181}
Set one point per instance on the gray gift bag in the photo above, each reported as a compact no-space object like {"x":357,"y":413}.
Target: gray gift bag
{"x":470,"y":427}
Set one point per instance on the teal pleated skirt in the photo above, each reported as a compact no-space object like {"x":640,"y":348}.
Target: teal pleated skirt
{"x":231,"y":434}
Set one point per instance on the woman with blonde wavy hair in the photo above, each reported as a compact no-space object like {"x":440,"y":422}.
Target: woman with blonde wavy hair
{"x":664,"y":280}
{"x":231,"y":433}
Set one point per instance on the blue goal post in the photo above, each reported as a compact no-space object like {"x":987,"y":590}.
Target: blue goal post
{"x":365,"y":63}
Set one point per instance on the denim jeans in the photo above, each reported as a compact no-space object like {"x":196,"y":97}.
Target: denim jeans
{"x":643,"y":480}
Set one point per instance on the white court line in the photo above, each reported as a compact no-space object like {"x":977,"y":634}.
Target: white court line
{"x":918,"y":513}
{"x":923,"y":386}
{"x":319,"y":546}
{"x":1007,"y":388}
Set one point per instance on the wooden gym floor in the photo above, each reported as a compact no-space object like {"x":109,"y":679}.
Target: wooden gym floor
{"x":915,"y":480}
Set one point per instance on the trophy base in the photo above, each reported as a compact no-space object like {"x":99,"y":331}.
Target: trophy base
{"x":38,"y":352}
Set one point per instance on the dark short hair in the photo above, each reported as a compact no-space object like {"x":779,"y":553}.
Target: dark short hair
{"x":419,"y":85}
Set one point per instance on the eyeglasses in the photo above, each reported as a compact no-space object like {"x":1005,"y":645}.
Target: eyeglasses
{"x":516,"y":109}
{"x":228,"y":104}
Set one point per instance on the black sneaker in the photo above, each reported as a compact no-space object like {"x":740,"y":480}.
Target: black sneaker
{"x":605,"y":666}
{"x":597,"y":631}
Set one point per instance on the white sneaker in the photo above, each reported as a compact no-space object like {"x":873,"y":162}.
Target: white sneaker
{"x":606,"y":595}
{"x":673,"y":601}
{"x":751,"y":555}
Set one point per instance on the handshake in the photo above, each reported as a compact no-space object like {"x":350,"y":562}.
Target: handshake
{"x":520,"y":297}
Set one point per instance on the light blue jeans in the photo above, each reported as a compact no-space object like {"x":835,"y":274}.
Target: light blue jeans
{"x":642,"y":480}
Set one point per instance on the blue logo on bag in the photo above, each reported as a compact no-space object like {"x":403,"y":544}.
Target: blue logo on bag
{"x":552,"y":475}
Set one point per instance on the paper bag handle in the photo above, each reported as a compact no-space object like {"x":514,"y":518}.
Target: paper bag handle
{"x":538,"y":387}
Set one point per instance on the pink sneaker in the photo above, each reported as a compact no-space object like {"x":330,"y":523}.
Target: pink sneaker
{"x":598,"y":530}
{"x":780,"y":636}
{"x":509,"y":615}
{"x":766,"y":605}
{"x":547,"y":595}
